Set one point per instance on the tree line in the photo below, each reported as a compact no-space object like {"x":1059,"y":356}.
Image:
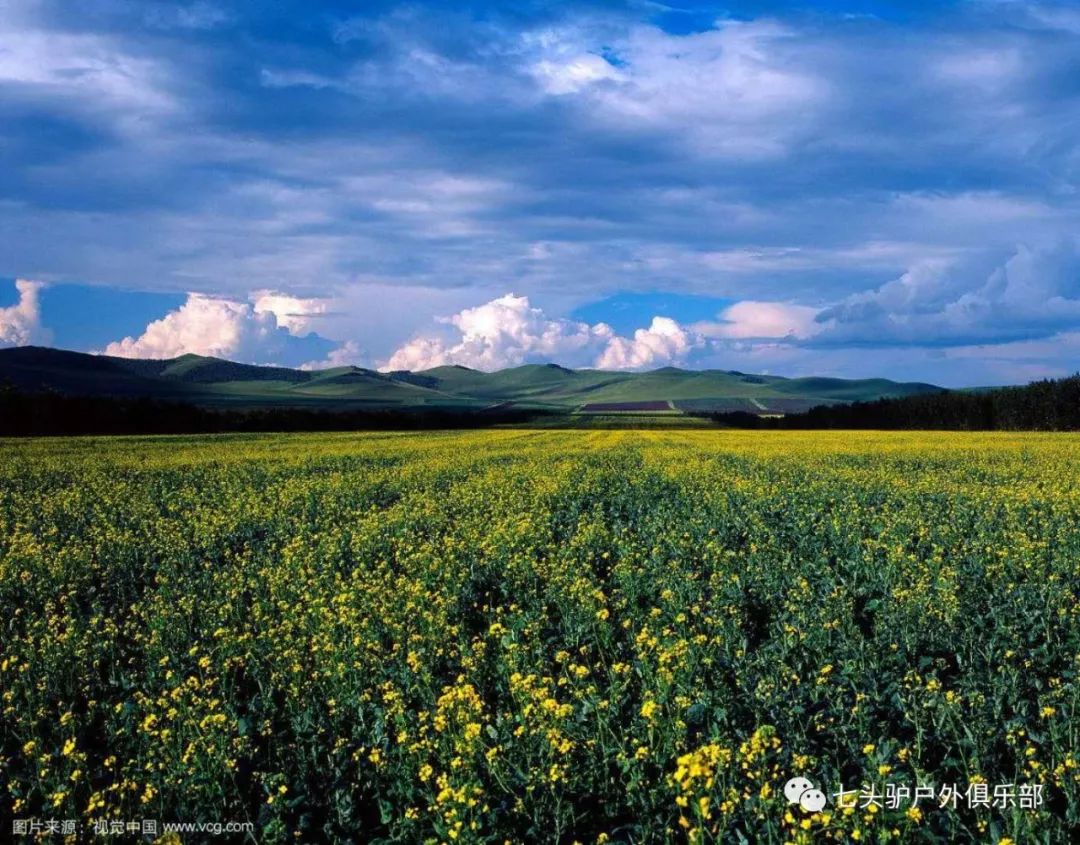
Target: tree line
{"x":1047,"y":405}
{"x":26,"y":413}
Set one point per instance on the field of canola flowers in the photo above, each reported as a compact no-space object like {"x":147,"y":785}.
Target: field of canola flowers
{"x":541,"y":636}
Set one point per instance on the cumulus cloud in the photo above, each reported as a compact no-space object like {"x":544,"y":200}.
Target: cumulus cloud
{"x":663,"y":343}
{"x":225,"y":328}
{"x":20,"y":324}
{"x":423,"y":353}
{"x":203,"y":325}
{"x":509,"y":332}
{"x":348,"y":354}
{"x":501,"y":333}
{"x":291,"y":312}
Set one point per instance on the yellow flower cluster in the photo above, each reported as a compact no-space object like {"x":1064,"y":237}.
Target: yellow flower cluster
{"x":526,"y":635}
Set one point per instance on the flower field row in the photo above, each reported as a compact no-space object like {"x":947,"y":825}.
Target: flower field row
{"x":542,"y":636}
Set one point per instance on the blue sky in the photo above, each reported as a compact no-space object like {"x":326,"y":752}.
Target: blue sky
{"x":844,"y":188}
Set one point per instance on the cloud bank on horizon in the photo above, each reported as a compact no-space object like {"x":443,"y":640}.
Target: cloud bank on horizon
{"x":854,"y":188}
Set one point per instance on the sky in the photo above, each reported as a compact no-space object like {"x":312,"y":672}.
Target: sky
{"x":852,"y":188}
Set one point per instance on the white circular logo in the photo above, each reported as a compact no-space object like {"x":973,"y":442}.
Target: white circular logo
{"x":801,"y":791}
{"x":813,"y":800}
{"x":796,"y":787}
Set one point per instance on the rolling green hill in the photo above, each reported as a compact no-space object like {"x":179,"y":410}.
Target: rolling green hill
{"x":214,"y":382}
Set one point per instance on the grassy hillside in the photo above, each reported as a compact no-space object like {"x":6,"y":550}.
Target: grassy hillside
{"x":214,"y":382}
{"x":36,"y":368}
{"x":552,"y":386}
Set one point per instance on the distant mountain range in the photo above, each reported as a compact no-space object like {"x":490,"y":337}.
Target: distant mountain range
{"x":213,"y":382}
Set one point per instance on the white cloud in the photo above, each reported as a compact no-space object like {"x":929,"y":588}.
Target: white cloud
{"x":292,"y":312}
{"x":501,"y":333}
{"x":509,"y":331}
{"x":20,"y":324}
{"x":259,"y":331}
{"x":423,"y":353}
{"x":664,"y":342}
{"x":346,"y":355}
{"x":754,"y":320}
{"x":206,"y":325}
{"x":924,"y":286}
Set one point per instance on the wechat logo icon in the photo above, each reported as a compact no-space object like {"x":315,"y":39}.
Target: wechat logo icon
{"x":803,"y":792}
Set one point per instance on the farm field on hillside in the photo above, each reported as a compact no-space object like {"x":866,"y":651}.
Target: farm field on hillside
{"x":621,"y":636}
